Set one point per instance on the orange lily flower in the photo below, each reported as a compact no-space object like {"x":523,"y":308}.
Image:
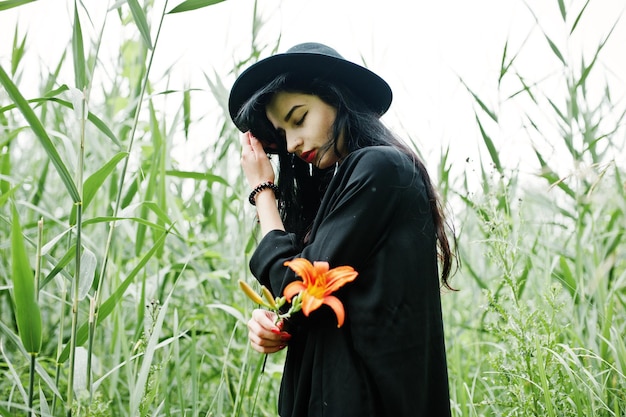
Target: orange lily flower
{"x":317,"y":285}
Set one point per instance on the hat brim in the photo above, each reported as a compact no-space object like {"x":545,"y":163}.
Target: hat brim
{"x":372,"y":89}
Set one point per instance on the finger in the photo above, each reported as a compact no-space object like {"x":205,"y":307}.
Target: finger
{"x":256,"y":145}
{"x":263,"y":349}
{"x":268,"y":320}
{"x":245,"y":138}
{"x":263,"y":332}
{"x":265,"y":345}
{"x":267,"y":342}
{"x":246,"y":147}
{"x":265,"y":318}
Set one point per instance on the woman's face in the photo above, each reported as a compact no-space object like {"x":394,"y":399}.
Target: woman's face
{"x":306,"y":123}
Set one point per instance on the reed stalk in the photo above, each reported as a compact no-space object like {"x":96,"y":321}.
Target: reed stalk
{"x":536,"y":328}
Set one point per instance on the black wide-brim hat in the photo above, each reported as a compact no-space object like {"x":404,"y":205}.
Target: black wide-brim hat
{"x":311,"y":60}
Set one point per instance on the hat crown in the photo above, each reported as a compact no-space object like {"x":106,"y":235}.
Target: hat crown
{"x":310,"y":59}
{"x":314,"y":48}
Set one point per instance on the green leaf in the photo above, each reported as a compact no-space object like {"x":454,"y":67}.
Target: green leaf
{"x":578,"y":17}
{"x":4,"y":196}
{"x":131,"y":191}
{"x":97,"y":122}
{"x":558,"y":111}
{"x":5,"y":171}
{"x":95,"y":181}
{"x":523,"y":278}
{"x":140,"y":20}
{"x":549,"y":174}
{"x":138,"y":392}
{"x":493,"y":152}
{"x":230,"y":310}
{"x":5,"y":412}
{"x":252,"y":242}
{"x":27,"y":313}
{"x":193,"y":5}
{"x":65,"y":260}
{"x":41,"y":134}
{"x":108,"y":219}
{"x":562,"y":10}
{"x":78,"y":51}
{"x":615,"y":236}
{"x":567,"y":278}
{"x":503,"y":66}
{"x":88,"y":263}
{"x":41,"y":184}
{"x":200,"y":176}
{"x":144,"y":210}
{"x":555,"y":49}
{"x":482,"y":105}
{"x":43,"y":374}
{"x":186,"y":111}
{"x":18,"y":51}
{"x":586,"y":70}
{"x":9,"y":4}
{"x":114,"y":300}
{"x":526,"y":89}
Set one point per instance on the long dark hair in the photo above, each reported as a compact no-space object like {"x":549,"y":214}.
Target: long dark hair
{"x":301,"y":190}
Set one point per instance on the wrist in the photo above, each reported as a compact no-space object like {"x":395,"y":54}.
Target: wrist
{"x":266,"y":185}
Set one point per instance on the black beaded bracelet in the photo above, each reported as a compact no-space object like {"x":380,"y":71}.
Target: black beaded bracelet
{"x":261,"y":187}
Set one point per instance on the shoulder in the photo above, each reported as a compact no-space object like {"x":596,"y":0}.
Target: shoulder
{"x":377,"y":154}
{"x":386,"y":162}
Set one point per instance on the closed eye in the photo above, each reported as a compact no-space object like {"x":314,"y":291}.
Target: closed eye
{"x":301,"y":121}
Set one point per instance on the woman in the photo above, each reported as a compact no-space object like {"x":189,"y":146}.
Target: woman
{"x":349,"y":193}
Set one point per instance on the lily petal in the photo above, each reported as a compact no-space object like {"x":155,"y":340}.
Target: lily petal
{"x":317,"y":285}
{"x":334,"y":303}
{"x":310,"y":303}
{"x":321,"y":267}
{"x":337,"y":277}
{"x":303,"y":268}
{"x":292,"y":289}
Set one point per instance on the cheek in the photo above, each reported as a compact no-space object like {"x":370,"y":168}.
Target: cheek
{"x":329,"y":121}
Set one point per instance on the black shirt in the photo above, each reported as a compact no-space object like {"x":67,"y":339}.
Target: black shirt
{"x":388,"y":359}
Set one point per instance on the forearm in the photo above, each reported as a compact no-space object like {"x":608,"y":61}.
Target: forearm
{"x":267,"y":212}
{"x":260,"y":174}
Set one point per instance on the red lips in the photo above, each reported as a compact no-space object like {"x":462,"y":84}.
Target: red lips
{"x":308,"y":156}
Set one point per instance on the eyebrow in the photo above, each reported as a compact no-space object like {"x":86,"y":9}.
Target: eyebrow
{"x":294,"y":108}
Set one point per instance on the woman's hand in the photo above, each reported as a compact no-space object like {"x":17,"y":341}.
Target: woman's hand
{"x":254,"y":161}
{"x":264,"y":335}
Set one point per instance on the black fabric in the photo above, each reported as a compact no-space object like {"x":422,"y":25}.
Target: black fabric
{"x":388,"y":359}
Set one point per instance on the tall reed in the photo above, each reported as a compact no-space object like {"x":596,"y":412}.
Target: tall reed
{"x":141,"y":253}
{"x":546,"y":252}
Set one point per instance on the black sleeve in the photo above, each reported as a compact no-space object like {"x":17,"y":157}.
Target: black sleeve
{"x":351,"y":222}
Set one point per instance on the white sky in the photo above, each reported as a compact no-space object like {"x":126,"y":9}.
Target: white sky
{"x":420,"y":47}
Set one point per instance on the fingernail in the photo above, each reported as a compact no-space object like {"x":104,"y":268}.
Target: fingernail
{"x":275,"y":331}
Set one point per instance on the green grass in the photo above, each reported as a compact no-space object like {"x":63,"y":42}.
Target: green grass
{"x":131,"y":257}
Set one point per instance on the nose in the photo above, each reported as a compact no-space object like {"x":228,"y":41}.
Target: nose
{"x":293,"y":143}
